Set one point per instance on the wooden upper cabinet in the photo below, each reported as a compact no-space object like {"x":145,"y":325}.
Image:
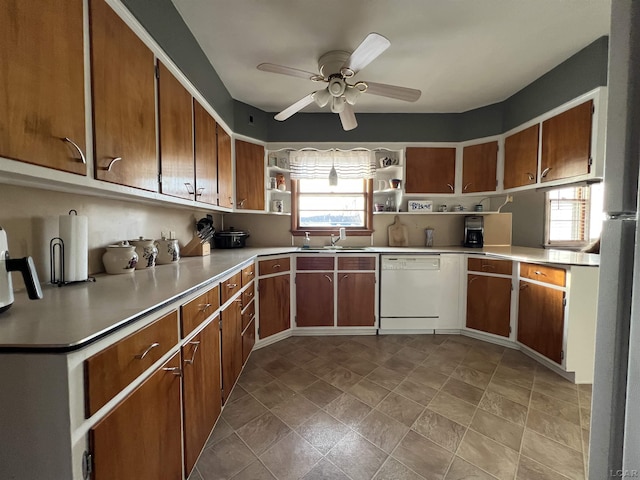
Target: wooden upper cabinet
{"x":42,"y":83}
{"x":430,"y":170}
{"x":250,"y":184}
{"x":206,"y":155}
{"x":479,"y":167}
{"x":521,"y":157}
{"x":176,"y":136}
{"x":225,"y":169}
{"x":566,"y":143}
{"x":356,"y":299}
{"x":124,"y":111}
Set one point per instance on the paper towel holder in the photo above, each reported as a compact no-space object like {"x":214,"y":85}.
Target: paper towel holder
{"x":56,"y":255}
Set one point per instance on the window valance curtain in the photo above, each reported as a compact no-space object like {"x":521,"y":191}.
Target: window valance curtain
{"x":312,"y":164}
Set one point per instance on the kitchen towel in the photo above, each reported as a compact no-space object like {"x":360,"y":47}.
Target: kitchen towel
{"x":74,"y":232}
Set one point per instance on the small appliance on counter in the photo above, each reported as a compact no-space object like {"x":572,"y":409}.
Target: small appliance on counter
{"x":23,"y":265}
{"x":474,"y":231}
{"x":230,"y":238}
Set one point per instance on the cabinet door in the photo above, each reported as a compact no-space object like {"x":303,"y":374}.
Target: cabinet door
{"x":541,"y":319}
{"x":206,"y":155}
{"x":141,"y":437}
{"x":521,"y":157}
{"x":489,"y":304}
{"x":231,"y":347}
{"x":430,"y":170}
{"x":176,"y":136}
{"x":124,"y":110}
{"x":201,"y":390}
{"x":479,"y":165}
{"x":250,"y":186}
{"x":356,"y":299}
{"x":274,"y":296}
{"x":314,"y":299}
{"x":42,"y":83}
{"x":566,"y":143}
{"x":225,"y":168}
{"x":248,"y":340}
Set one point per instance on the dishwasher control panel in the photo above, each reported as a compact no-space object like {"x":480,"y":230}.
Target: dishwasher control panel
{"x":414,"y":262}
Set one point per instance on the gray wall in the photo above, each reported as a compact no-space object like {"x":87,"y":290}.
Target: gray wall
{"x":582,"y":72}
{"x":528,"y":211}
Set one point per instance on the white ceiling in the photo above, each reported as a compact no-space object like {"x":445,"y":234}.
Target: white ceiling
{"x":462,"y":54}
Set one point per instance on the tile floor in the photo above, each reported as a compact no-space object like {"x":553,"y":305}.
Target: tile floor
{"x":398,"y":407}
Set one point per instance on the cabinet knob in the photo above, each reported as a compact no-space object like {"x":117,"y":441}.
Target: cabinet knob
{"x":75,"y":145}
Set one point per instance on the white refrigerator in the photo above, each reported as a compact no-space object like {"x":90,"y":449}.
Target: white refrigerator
{"x":615,"y":418}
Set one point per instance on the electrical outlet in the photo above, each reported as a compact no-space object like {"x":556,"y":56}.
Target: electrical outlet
{"x":509,"y":198}
{"x":163,"y":234}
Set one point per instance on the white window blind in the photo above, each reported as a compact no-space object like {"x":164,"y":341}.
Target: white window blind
{"x":316,"y":164}
{"x":568,"y":215}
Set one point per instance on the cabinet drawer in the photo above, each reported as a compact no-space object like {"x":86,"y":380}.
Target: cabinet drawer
{"x":247,"y":296}
{"x":356,"y":263}
{"x":248,"y":314}
{"x":266,"y":267}
{"x":314,"y":263}
{"x":115,"y":367}
{"x":248,"y":274}
{"x":543,"y":273}
{"x":196,"y":311}
{"x":230,"y":287}
{"x":487,"y":265}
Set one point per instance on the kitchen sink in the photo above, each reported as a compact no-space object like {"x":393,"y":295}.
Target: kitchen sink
{"x":335,"y":248}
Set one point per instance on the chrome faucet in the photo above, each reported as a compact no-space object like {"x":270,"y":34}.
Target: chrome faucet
{"x":341,"y":236}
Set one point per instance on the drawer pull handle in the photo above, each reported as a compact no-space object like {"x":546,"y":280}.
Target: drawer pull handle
{"x":249,"y":293}
{"x":487,"y":266}
{"x":538,"y":272}
{"x":238,"y":300}
{"x":249,"y":274}
{"x":141,"y":356}
{"x":75,"y":145}
{"x":472,"y":279}
{"x":193,"y":354}
{"x":232,"y":285}
{"x":204,"y":307}
{"x":177,"y":371}
{"x":329,"y":278}
{"x":276,"y":266}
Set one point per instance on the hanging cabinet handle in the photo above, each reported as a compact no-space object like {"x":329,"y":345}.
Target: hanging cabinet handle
{"x":450,"y":186}
{"x":75,"y":145}
{"x":189,"y":188}
{"x":523,"y":286}
{"x":177,"y":371}
{"x":199,"y":192}
{"x":230,"y":200}
{"x":466,"y":186}
{"x":141,"y":356}
{"x":193,"y":354}
{"x":344,"y":276}
{"x":472,"y":279}
{"x":545,"y":172}
{"x":113,"y":160}
{"x":531,"y":176}
{"x":329,"y":278}
{"x":241,"y":203}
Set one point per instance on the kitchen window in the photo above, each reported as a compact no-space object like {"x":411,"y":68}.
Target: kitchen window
{"x":573,"y":216}
{"x":321,"y":207}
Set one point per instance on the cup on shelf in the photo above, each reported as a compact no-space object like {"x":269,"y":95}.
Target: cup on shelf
{"x":442,"y":208}
{"x":273,"y":183}
{"x":277,"y":206}
{"x":379,"y":207}
{"x":395,"y":182}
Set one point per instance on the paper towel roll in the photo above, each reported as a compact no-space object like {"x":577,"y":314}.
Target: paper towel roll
{"x":74,"y":232}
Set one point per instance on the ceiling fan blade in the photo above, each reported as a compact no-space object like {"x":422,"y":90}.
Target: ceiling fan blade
{"x":292,"y":72}
{"x":296,"y":107}
{"x":372,"y":46}
{"x":393,"y":91}
{"x":348,"y":118}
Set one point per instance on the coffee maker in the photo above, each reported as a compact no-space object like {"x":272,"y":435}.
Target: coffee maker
{"x":474,"y":231}
{"x":22,"y":265}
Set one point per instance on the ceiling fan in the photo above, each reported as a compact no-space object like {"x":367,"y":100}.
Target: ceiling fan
{"x":336,"y":68}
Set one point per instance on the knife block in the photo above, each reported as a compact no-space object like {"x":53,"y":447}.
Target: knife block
{"x":195,"y":248}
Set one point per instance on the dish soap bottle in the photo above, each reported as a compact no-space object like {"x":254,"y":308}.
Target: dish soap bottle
{"x":307,"y":240}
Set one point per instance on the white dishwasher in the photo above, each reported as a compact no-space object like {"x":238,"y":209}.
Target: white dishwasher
{"x":413,"y":289}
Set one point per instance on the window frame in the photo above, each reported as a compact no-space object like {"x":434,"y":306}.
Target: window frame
{"x":367,"y":230}
{"x":586,"y":227}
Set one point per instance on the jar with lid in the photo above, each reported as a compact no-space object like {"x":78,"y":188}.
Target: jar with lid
{"x":147,"y":252}
{"x":120,"y":258}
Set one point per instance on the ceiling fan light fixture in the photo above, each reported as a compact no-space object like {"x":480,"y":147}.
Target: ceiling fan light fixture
{"x":338,"y":104}
{"x":322,"y":97}
{"x":351,"y":94}
{"x":336,"y":86}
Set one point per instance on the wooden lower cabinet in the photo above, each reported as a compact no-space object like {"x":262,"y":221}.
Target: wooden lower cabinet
{"x":231,"y":322}
{"x":356,"y":299}
{"x":275,"y":305}
{"x":141,"y":437}
{"x":248,"y":340}
{"x":314,"y":299}
{"x":201,"y":390}
{"x":541,"y":319}
{"x":489,"y":304}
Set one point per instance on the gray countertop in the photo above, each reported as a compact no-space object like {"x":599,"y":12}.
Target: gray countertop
{"x":70,"y":317}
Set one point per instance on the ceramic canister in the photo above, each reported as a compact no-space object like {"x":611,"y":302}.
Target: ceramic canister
{"x":147,"y":252}
{"x":168,"y":251}
{"x":120,"y":258}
